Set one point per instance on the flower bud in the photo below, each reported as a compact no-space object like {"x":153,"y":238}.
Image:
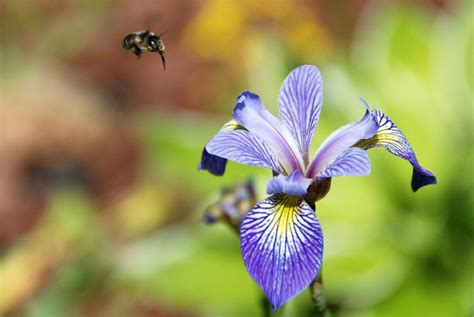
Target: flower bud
{"x":317,"y":190}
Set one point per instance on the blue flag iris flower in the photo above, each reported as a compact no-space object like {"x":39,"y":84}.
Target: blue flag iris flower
{"x":281,"y":238}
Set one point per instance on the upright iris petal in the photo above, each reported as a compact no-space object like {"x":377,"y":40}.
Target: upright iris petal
{"x":340,"y":140}
{"x":282,"y":246}
{"x":300,"y":103}
{"x":250,"y":113}
{"x":392,"y":139}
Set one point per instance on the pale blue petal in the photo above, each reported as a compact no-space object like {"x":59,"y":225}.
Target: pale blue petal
{"x":295,"y":184}
{"x":340,"y":140}
{"x":250,"y":113}
{"x":300,"y":103}
{"x":352,"y":162}
{"x":242,"y":147}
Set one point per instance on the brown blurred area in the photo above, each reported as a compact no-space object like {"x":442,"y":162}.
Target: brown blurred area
{"x":104,"y":65}
{"x":55,"y":138}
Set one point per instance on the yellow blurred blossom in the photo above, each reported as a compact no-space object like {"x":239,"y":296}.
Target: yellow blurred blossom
{"x":223,"y":30}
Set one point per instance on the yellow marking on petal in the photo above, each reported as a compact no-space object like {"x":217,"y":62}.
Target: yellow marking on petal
{"x":286,"y":212}
{"x":380,"y":138}
{"x":231,"y":126}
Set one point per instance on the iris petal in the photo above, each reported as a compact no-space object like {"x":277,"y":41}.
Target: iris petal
{"x":340,"y":140}
{"x":295,"y":184}
{"x":251,"y":113}
{"x":282,"y":246}
{"x":352,"y":162}
{"x":213,"y":163}
{"x":242,"y":147}
{"x":300,"y":103}
{"x":392,"y":139}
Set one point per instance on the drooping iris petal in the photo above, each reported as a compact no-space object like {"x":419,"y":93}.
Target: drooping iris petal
{"x":251,"y":113}
{"x":421,"y":177}
{"x":300,"y":102}
{"x":242,"y":147}
{"x":352,"y":162}
{"x":212,"y":163}
{"x":392,"y":139}
{"x":295,"y":184}
{"x":282,"y":246}
{"x":340,"y":140}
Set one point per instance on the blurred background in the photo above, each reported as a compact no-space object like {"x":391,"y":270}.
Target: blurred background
{"x":100,"y":198}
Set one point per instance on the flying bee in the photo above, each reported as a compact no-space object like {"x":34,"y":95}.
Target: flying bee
{"x":145,"y":41}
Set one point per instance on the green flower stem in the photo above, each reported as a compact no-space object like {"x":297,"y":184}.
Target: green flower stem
{"x":316,"y":287}
{"x":318,"y":298}
{"x":266,"y":306}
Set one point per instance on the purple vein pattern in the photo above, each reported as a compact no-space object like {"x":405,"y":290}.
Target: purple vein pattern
{"x":352,"y":162}
{"x":340,"y":140}
{"x":251,"y":113}
{"x":393,"y":140}
{"x":243,"y":147}
{"x":300,"y":102}
{"x":282,"y":246}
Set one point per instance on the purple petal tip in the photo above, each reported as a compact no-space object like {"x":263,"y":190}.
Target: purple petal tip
{"x":244,"y":95}
{"x":422,"y":177}
{"x":212,"y":163}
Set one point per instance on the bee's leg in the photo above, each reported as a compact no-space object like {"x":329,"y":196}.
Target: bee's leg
{"x":136,"y":50}
{"x":163,"y":59}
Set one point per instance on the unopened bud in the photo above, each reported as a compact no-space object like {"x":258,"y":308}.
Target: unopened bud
{"x":317,"y":190}
{"x":232,"y":205}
